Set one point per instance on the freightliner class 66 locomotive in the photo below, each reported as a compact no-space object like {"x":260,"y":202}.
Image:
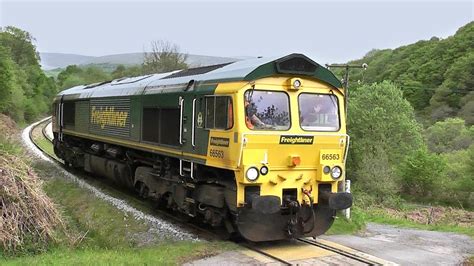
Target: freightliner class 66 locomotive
{"x":256,"y":146}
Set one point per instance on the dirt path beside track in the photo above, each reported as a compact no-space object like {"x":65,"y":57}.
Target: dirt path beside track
{"x":409,"y":246}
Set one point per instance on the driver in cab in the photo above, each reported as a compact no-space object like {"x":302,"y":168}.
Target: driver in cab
{"x":251,"y":118}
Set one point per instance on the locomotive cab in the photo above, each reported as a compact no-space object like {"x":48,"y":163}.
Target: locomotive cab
{"x":294,"y":144}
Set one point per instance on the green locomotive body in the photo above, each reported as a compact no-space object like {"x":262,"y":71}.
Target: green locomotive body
{"x":184,"y":138}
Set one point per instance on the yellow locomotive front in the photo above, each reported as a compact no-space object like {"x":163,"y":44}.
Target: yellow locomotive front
{"x":291,"y":139}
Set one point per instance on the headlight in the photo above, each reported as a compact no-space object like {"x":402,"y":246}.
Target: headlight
{"x":336,"y":172}
{"x":252,"y":174}
{"x":296,"y":84}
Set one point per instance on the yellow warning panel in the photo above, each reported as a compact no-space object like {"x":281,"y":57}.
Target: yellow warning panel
{"x":355,"y":252}
{"x":291,"y":251}
{"x":257,"y":256}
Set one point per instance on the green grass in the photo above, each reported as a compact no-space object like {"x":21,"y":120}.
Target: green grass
{"x":41,"y":140}
{"x":106,"y":226}
{"x":169,"y":253}
{"x":379,"y":216}
{"x":9,"y":146}
{"x":343,"y":226}
{"x":45,"y":145}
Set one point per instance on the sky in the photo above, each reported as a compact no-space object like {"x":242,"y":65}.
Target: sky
{"x":328,"y":31}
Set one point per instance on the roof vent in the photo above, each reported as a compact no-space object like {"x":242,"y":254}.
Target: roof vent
{"x":296,"y":64}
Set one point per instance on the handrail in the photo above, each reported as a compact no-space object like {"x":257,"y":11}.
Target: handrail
{"x":181,"y":112}
{"x":193,"y":137}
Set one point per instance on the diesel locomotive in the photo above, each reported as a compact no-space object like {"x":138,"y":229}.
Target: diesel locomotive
{"x":255,"y":146}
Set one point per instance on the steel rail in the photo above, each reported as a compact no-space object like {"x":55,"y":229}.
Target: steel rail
{"x":339,"y":251}
{"x":249,"y":246}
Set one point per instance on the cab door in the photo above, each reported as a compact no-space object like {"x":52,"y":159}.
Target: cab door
{"x":200,"y":135}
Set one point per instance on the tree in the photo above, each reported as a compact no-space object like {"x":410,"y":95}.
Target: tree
{"x":383,"y":131}
{"x":26,"y":91}
{"x":65,"y":74}
{"x":119,"y":72}
{"x":74,"y":75}
{"x":21,"y":46}
{"x":457,"y":88}
{"x":449,"y":135}
{"x":7,"y":81}
{"x":164,"y":57}
{"x":379,"y":117}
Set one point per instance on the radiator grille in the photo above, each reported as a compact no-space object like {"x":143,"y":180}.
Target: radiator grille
{"x":110,"y":117}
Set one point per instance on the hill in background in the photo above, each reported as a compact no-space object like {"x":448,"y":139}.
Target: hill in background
{"x":436,"y":75}
{"x":52,"y":61}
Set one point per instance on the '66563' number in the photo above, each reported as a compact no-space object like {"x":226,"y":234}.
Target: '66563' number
{"x":330,"y":156}
{"x":216,"y":154}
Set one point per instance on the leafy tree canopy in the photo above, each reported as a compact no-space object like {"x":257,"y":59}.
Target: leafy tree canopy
{"x":25,"y":91}
{"x":436,"y":76}
{"x":449,"y":135}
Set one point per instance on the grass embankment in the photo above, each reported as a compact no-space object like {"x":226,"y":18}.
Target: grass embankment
{"x":164,"y":254}
{"x":95,"y":232}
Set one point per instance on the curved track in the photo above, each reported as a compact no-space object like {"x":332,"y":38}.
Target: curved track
{"x":287,"y":252}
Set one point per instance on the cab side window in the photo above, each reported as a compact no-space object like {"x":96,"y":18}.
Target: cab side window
{"x":219,"y":113}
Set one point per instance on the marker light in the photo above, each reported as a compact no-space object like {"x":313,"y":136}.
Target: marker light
{"x":252,"y":174}
{"x":336,"y":172}
{"x":264,"y":170}
{"x":326,"y":169}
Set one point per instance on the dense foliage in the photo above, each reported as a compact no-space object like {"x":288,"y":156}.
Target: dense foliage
{"x":436,"y":76}
{"x":74,"y":75}
{"x":25,"y":91}
{"x":392,"y":157}
{"x":383,"y":130}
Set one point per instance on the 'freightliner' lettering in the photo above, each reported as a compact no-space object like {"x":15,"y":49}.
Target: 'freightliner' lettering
{"x":296,"y":139}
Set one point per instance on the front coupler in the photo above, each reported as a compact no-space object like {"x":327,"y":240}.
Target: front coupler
{"x":265,"y":219}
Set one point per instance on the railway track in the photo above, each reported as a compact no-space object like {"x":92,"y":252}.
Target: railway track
{"x":291,"y":252}
{"x":343,"y":251}
{"x":310,"y":251}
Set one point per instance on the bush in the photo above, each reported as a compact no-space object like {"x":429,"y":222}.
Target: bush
{"x":458,"y":180}
{"x":377,"y":182}
{"x":421,"y":172}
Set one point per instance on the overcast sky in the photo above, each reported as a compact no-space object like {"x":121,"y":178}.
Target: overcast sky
{"x":330,"y":31}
